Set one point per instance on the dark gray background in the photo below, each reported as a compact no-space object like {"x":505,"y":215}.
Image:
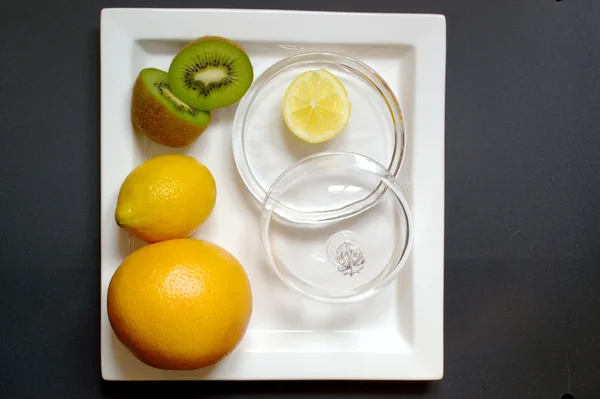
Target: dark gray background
{"x":522,"y":302}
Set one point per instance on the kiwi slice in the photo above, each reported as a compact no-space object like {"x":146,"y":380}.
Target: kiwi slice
{"x":211,"y":73}
{"x":160,"y":115}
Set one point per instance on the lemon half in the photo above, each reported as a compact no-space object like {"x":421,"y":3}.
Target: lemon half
{"x":316,"y":106}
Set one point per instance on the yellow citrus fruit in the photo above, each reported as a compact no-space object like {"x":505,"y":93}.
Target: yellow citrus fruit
{"x":316,"y":106}
{"x":166,"y":197}
{"x":180,"y":304}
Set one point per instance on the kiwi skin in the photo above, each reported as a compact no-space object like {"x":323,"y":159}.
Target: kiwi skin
{"x":157,"y":122}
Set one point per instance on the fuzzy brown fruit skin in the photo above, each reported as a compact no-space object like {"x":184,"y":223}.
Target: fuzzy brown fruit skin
{"x":160,"y":125}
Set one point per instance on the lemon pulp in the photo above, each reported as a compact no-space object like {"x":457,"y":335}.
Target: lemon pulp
{"x":316,"y":106}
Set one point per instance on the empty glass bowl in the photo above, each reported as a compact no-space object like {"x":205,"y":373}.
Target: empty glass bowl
{"x":319,"y":248}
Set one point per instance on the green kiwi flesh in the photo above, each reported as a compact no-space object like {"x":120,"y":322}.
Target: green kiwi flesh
{"x":157,"y":82}
{"x":211,"y":74}
{"x":160,"y":115}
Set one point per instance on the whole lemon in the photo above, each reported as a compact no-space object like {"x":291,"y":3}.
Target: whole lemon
{"x":166,"y":197}
{"x":180,"y":304}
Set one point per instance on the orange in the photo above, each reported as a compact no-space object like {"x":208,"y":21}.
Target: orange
{"x":180,"y":304}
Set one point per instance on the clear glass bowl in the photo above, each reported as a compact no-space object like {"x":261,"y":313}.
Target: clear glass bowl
{"x":263,"y":146}
{"x":326,"y":255}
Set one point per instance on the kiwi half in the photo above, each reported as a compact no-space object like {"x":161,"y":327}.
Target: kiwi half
{"x":211,"y":73}
{"x":160,"y":115}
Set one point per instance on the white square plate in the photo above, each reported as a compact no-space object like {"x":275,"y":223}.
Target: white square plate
{"x":397,"y":335}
